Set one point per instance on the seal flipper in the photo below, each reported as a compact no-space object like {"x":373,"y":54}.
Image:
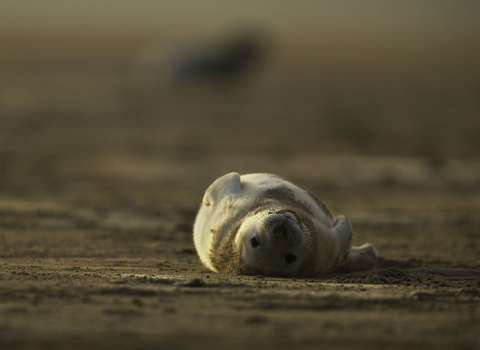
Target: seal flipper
{"x":205,"y":230}
{"x":228,"y":184}
{"x":360,"y":259}
{"x":342,"y":230}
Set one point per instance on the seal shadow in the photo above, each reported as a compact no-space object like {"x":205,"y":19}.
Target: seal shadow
{"x":412,"y":272}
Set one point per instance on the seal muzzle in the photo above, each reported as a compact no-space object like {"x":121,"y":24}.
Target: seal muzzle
{"x":283,"y":227}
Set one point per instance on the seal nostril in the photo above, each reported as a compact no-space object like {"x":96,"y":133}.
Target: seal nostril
{"x":290,"y":258}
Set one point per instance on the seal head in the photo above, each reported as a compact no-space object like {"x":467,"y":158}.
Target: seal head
{"x":273,"y":244}
{"x":276,"y":237}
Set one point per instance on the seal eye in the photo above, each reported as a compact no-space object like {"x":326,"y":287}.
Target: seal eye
{"x":254,"y":242}
{"x":290,"y":258}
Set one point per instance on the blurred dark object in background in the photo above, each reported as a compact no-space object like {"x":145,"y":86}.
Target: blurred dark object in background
{"x":215,"y":59}
{"x":226,"y":60}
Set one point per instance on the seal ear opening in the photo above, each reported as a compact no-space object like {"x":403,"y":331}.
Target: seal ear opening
{"x":223,"y":186}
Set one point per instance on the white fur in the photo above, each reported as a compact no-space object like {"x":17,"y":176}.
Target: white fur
{"x":228,"y":200}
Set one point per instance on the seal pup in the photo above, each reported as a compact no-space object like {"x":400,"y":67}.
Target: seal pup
{"x":261,"y":224}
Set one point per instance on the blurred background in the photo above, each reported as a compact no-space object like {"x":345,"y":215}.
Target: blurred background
{"x":116,"y":115}
{"x":143,"y":104}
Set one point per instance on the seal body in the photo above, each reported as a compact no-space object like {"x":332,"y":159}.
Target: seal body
{"x":261,"y":224}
